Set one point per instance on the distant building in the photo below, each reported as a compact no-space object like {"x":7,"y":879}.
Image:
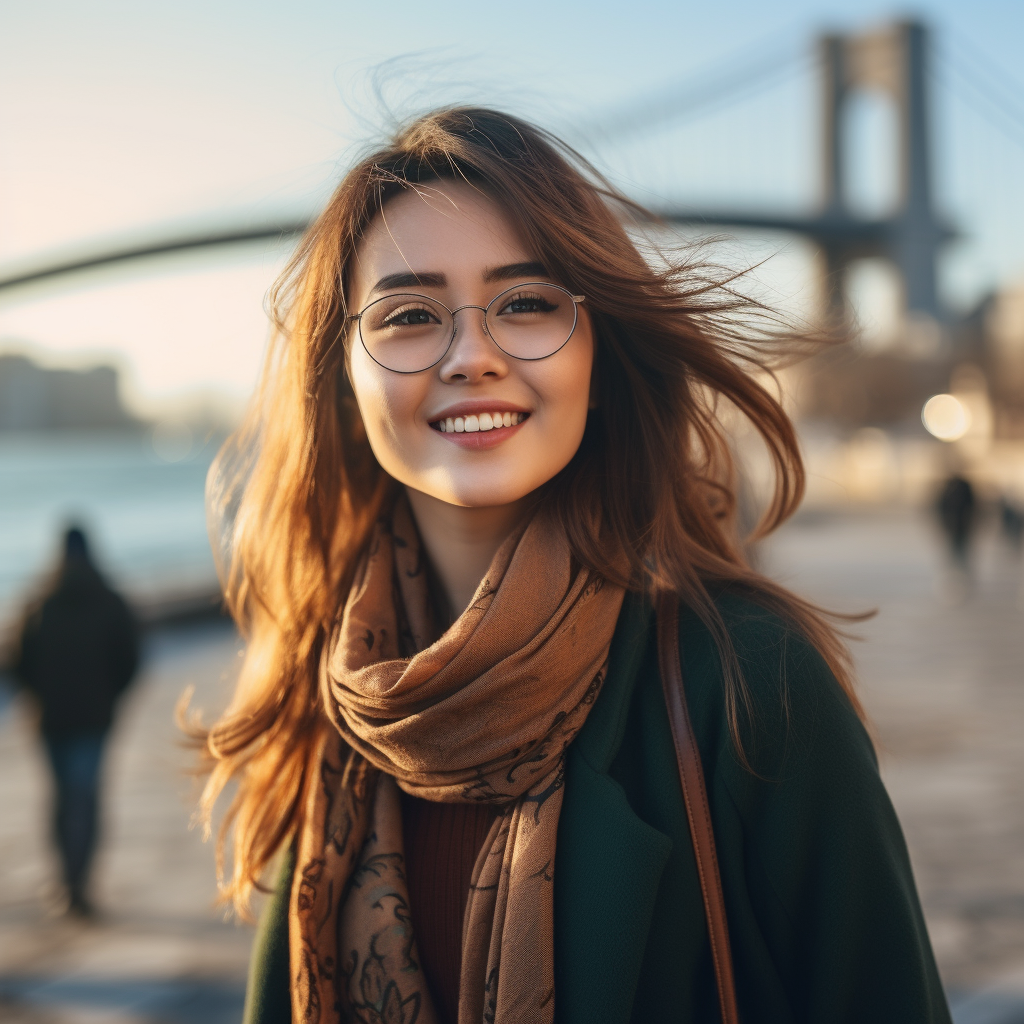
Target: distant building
{"x":35,"y":398}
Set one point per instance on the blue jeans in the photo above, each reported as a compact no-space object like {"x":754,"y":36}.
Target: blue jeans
{"x":75,"y":761}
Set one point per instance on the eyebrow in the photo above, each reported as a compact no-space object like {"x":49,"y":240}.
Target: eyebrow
{"x":513,"y":270}
{"x":426,"y":279}
{"x":410,"y":280}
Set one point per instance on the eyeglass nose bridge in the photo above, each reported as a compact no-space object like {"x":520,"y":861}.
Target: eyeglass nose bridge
{"x":483,"y":324}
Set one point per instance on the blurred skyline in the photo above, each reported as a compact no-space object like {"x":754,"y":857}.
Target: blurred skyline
{"x":119,"y":118}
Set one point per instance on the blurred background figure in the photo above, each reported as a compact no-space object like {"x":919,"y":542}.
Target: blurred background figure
{"x":1011,"y":519}
{"x":956,"y":507}
{"x":1011,"y":523}
{"x":77,"y":652}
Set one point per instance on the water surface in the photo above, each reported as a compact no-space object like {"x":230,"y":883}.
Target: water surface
{"x":144,"y":515}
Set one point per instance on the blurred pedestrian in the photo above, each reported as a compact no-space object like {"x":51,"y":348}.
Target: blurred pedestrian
{"x":1011,"y":520}
{"x":1011,"y":517}
{"x":956,"y":508}
{"x":77,"y":652}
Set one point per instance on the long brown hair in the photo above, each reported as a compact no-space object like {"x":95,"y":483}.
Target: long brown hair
{"x":299,"y":487}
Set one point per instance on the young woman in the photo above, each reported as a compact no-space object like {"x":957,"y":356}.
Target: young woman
{"x":488,"y":438}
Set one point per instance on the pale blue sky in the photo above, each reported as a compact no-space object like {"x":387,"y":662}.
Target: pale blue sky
{"x":117,"y":116}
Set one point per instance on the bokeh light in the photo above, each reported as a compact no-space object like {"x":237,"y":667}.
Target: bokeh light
{"x":946,"y":417}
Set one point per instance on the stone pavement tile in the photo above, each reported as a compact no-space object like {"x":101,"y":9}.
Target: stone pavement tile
{"x":175,"y":1001}
{"x":21,"y":1013}
{"x":159,"y":951}
{"x":1000,"y":1002}
{"x":987,"y":1008}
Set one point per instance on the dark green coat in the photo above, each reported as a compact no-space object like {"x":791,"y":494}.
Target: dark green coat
{"x":823,"y":914}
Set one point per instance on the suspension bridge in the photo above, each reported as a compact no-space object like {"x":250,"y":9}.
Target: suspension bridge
{"x":899,"y":61}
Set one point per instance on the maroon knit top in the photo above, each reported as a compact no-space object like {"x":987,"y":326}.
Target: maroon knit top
{"x":441,"y":846}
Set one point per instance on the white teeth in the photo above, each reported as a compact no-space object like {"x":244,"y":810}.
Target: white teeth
{"x":485,"y":421}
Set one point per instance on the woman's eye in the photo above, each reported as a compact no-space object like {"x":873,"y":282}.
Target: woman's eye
{"x":527,"y":304}
{"x":418,"y":317}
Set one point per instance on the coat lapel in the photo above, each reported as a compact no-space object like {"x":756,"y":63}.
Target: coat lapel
{"x":609,"y":862}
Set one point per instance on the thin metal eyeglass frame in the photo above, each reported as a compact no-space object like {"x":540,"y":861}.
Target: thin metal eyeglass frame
{"x":576,"y":300}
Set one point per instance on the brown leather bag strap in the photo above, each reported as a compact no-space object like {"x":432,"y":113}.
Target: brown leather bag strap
{"x":695,"y":796}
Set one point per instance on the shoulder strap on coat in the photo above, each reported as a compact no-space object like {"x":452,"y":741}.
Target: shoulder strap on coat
{"x":695,"y":796}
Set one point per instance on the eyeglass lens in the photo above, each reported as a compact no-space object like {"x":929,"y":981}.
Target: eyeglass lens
{"x":408,"y":333}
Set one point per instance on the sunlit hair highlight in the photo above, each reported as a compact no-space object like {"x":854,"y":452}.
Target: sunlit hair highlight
{"x":294,"y":493}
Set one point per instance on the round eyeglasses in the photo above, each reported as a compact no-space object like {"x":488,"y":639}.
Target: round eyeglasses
{"x":409,"y":333}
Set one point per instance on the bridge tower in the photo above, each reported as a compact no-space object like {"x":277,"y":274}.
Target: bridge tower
{"x":893,"y":60}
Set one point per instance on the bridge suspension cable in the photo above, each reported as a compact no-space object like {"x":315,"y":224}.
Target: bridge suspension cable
{"x":698,"y":94}
{"x":990,"y":91}
{"x":772,"y":63}
{"x":983,"y":85}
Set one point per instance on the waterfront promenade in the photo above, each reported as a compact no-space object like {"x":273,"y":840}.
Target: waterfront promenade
{"x":942,"y":677}
{"x":942,"y":681}
{"x":159,"y":951}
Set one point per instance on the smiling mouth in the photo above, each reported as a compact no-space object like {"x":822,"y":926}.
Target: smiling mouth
{"x":479,"y":423}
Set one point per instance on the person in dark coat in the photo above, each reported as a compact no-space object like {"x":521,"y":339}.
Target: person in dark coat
{"x":78,"y":651}
{"x":956,"y":508}
{"x":1011,"y":518}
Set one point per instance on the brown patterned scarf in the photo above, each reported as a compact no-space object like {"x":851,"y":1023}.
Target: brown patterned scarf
{"x":485,"y":714}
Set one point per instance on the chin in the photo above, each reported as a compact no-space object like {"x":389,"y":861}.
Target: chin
{"x":479,"y":490}
{"x":476,"y":496}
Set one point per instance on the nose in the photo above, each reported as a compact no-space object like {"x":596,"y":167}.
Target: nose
{"x":472,"y":356}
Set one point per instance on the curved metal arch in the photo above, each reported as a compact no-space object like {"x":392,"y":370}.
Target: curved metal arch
{"x":160,"y":247}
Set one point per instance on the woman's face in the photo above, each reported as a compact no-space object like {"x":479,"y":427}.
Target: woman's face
{"x":452,"y":244}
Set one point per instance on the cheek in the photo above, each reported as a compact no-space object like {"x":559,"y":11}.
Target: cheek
{"x":387,"y":403}
{"x":565,"y":388}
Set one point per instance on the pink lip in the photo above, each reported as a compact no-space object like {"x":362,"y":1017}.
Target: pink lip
{"x":475,"y":406}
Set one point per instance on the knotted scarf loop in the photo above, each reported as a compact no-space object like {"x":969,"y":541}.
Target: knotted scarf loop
{"x":485,"y":713}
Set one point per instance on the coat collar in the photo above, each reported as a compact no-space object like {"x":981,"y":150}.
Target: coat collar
{"x":609,"y":862}
{"x":601,"y":736}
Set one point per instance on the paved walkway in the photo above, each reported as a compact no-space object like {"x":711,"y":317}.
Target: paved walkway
{"x":942,"y":683}
{"x":160,"y":952}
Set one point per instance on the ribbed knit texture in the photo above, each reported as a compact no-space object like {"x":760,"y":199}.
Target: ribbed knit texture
{"x":441,"y":846}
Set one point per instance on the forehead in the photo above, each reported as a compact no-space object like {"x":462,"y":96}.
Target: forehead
{"x":447,"y":227}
